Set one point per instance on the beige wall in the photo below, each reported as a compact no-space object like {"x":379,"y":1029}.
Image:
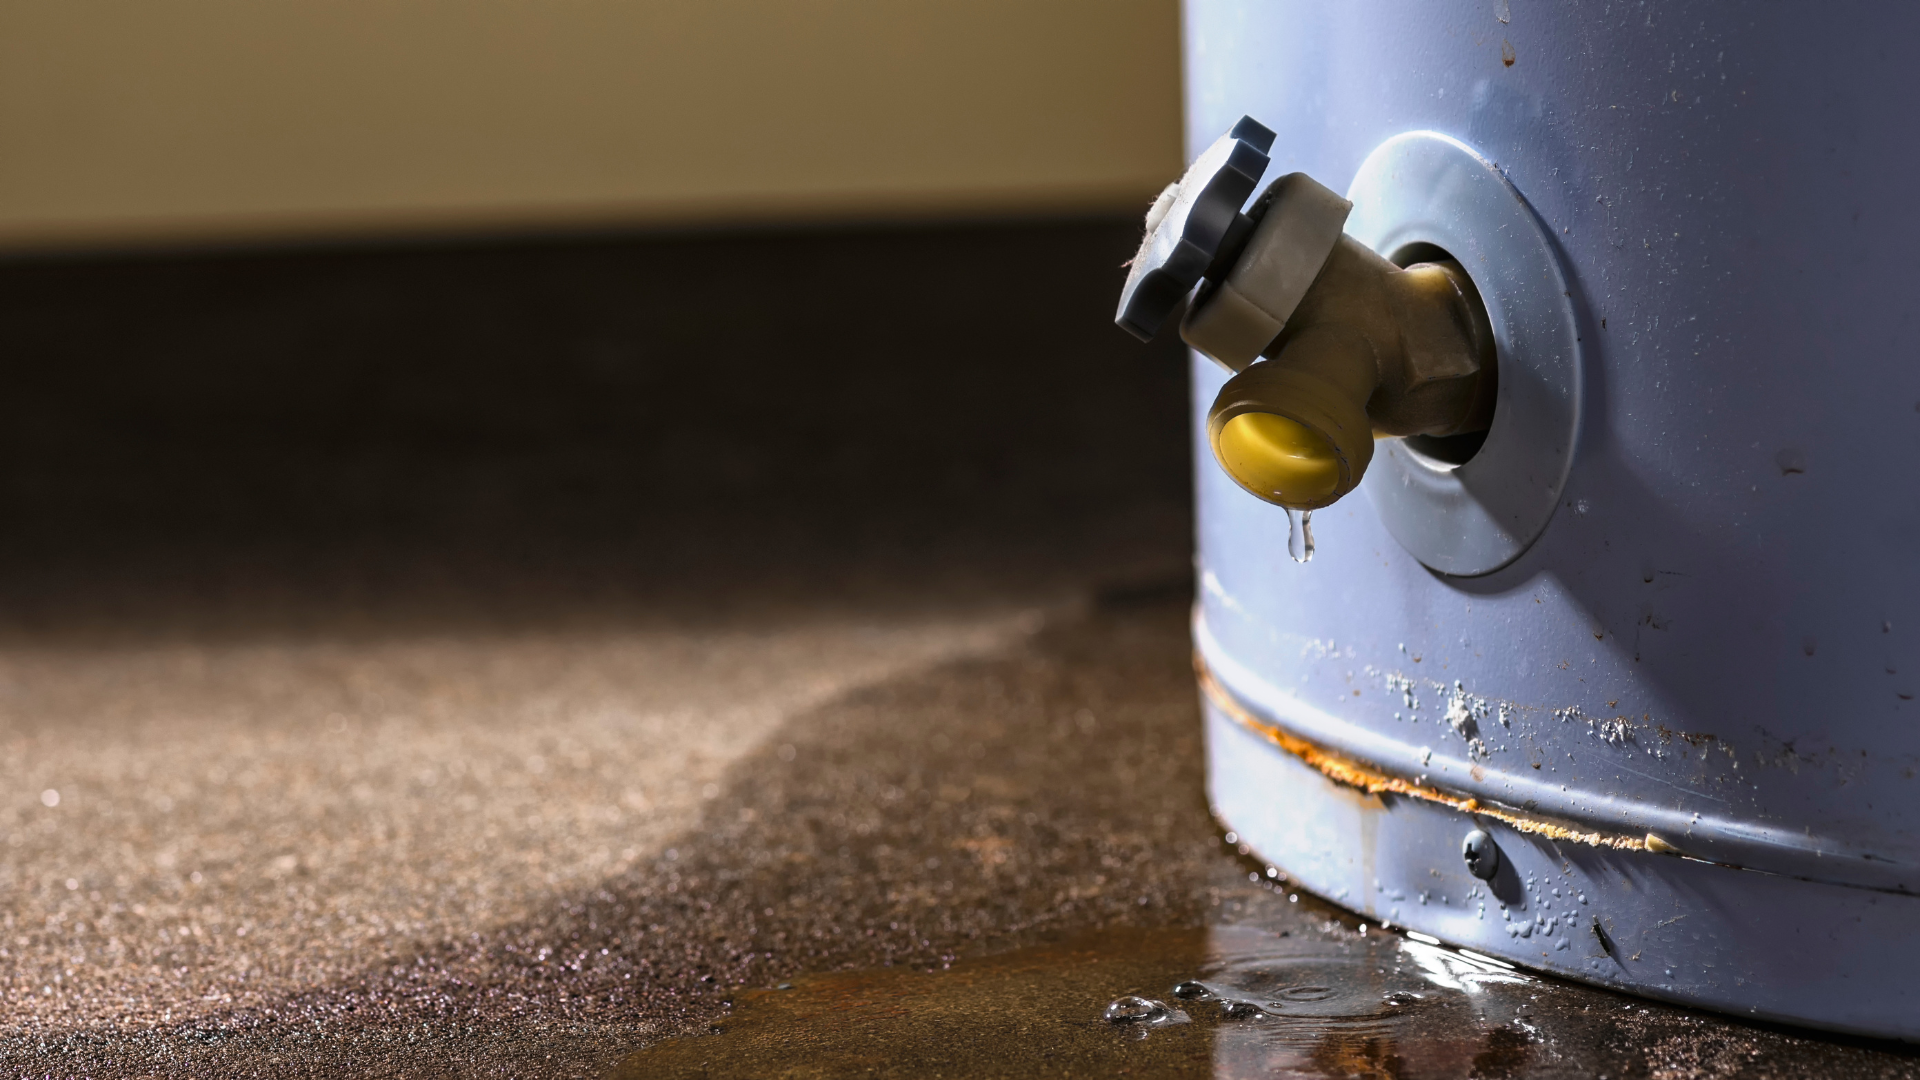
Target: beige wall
{"x":135,"y":120}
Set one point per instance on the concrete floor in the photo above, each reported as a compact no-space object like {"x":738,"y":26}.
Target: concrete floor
{"x":471,"y":846}
{"x":500,"y":661}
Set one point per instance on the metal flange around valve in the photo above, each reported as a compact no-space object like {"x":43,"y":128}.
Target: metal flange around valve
{"x":1194,"y":225}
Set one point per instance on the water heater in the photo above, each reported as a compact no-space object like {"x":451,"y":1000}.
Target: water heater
{"x":1583,"y":339}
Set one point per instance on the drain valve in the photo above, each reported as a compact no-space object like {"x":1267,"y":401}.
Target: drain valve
{"x":1332,"y":344}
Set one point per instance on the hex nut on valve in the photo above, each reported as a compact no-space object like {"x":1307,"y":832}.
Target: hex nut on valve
{"x":1482,"y":855}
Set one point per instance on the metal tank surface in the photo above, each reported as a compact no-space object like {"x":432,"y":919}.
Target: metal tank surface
{"x":1630,"y":696}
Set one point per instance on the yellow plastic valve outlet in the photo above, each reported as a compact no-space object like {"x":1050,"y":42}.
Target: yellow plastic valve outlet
{"x":1297,"y":434}
{"x":1278,"y":459}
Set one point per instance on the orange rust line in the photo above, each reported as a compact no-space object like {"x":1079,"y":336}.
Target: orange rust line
{"x":1343,"y":770}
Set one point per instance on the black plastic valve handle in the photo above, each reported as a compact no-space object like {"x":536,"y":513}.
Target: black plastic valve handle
{"x":1189,"y":226}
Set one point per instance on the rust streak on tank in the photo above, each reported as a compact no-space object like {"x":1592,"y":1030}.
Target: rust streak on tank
{"x":1343,"y":770}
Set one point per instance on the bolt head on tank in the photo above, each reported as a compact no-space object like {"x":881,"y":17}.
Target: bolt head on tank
{"x":1190,"y":224}
{"x":1482,"y":855}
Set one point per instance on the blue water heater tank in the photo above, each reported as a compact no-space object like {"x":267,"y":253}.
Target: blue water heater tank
{"x":1627,"y":689}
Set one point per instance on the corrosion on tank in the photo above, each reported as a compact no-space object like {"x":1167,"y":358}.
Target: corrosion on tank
{"x":1344,"y":770}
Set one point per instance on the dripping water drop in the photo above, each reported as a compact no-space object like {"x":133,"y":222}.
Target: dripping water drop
{"x":1300,"y":536}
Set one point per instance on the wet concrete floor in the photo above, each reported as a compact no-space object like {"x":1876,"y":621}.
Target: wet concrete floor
{"x":396,"y":679}
{"x":1321,"y":1001}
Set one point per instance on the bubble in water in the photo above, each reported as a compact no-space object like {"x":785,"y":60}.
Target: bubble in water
{"x":1142,"y":1013}
{"x":1133,"y":1009}
{"x":1300,"y":536}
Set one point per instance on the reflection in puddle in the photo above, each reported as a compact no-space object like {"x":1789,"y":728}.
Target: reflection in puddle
{"x":1379,"y":1006}
{"x":1226,"y":1002}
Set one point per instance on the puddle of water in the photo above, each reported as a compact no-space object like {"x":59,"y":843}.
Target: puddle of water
{"x":1038,"y":1011}
{"x":1280,"y":985}
{"x":1222,"y":1002}
{"x":1305,"y":998}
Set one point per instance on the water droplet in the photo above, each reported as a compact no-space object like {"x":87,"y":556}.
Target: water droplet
{"x":1133,"y":1009}
{"x":1190,"y":990}
{"x":1300,"y":536}
{"x":1241,"y":1010}
{"x":1399,"y":997}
